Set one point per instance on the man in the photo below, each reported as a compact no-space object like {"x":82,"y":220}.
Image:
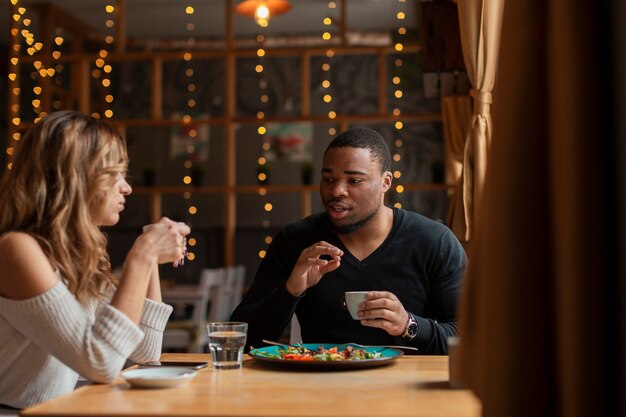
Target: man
{"x":411,"y":266}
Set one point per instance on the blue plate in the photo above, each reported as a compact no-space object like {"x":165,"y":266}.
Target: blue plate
{"x":387,"y":355}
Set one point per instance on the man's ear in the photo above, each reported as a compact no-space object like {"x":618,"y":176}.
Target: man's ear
{"x":387,"y":180}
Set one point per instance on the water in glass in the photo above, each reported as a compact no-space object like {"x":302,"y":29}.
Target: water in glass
{"x":226,"y":343}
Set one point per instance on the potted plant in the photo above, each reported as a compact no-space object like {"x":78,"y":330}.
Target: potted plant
{"x":438,"y":169}
{"x":149,"y":175}
{"x":307,"y":171}
{"x":197,"y":175}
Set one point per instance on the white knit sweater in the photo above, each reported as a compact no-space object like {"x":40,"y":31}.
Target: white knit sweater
{"x":48,"y":340}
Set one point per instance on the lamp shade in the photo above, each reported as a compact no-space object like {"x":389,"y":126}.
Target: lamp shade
{"x":249,"y":7}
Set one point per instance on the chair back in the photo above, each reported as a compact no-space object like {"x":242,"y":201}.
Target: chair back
{"x":228,"y":293}
{"x":190,"y":334}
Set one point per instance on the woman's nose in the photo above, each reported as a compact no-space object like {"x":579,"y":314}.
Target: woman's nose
{"x":125,"y":187}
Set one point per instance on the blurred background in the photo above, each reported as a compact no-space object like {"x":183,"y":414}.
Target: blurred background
{"x":226,"y":119}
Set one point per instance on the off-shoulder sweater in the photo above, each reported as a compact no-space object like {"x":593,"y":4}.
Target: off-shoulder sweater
{"x":47,"y":341}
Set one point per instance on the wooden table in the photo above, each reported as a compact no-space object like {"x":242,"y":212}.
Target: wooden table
{"x":413,"y":386}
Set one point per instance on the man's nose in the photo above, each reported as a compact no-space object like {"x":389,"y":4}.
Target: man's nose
{"x":339,"y":189}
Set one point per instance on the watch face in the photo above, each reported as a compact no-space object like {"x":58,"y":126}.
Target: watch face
{"x":412,"y":329}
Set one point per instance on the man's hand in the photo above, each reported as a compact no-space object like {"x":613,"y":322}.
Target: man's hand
{"x":309,"y":268}
{"x":382,"y":309}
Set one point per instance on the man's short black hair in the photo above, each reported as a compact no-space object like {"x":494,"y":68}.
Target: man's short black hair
{"x":366,"y":138}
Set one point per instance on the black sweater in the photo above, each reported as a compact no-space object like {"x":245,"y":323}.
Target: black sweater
{"x":421,"y":262}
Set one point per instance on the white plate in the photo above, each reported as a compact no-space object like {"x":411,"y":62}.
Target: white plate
{"x":158,"y":377}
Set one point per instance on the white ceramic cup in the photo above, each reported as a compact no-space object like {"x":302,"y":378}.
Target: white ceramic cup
{"x":353,"y":299}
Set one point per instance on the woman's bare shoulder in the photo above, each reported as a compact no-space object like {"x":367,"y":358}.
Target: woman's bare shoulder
{"x":17,"y":243}
{"x":26,"y":271}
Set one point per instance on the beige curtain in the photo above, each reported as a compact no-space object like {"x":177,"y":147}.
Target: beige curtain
{"x":536,"y":320}
{"x":480,"y":22}
{"x":456,"y":113}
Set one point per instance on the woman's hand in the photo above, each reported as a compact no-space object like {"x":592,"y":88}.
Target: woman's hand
{"x":166,"y":240}
{"x":161,"y":242}
{"x":310,"y":268}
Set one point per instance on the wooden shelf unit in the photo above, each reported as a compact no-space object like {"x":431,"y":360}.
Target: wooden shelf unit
{"x":81,"y":97}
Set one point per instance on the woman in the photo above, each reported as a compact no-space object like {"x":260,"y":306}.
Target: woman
{"x":62,"y":312}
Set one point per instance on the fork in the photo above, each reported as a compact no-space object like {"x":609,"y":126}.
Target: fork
{"x":411,"y":348}
{"x":269,"y":342}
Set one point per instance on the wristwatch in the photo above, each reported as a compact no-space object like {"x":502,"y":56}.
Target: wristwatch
{"x":412,"y":328}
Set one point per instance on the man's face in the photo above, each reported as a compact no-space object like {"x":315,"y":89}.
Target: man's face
{"x":352,"y":187}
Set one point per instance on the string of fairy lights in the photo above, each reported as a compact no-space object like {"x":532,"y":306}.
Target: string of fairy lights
{"x":398,"y":93}
{"x":50,"y":69}
{"x":43,"y":74}
{"x":263,"y":171}
{"x":103,"y":69}
{"x":20,"y":31}
{"x":191,"y":131}
{"x":327,"y":97}
{"x":59,"y":68}
{"x":13,"y":85}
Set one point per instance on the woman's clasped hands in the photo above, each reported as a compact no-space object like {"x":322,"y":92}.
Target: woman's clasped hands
{"x":168,"y":240}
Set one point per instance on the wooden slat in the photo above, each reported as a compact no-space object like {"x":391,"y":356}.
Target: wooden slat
{"x":343,"y":22}
{"x":156,"y":209}
{"x":230,"y":152}
{"x":418,"y":117}
{"x":201,"y":54}
{"x":120,"y":26}
{"x":382,"y":83}
{"x":305,"y":84}
{"x":157,"y":89}
{"x":84,"y":77}
{"x":305,"y":203}
{"x":273,"y":188}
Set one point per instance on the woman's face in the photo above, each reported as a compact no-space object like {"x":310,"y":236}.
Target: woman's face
{"x":114,"y":202}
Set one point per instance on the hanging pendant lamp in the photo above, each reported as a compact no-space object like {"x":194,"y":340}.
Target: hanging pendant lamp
{"x":262,"y":10}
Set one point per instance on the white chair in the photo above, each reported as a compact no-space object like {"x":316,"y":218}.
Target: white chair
{"x":227,"y":294}
{"x":295,"y":334}
{"x":190,"y":334}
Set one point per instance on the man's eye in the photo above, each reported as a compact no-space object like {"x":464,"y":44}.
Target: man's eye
{"x":356,"y":181}
{"x":328,"y":180}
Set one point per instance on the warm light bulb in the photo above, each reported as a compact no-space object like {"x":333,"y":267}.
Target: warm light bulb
{"x":262,"y":14}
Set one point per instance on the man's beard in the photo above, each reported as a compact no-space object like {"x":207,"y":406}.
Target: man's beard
{"x":351,"y":228}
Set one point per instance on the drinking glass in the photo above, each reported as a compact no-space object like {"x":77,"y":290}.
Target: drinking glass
{"x":226,"y":342}
{"x":453,"y":347}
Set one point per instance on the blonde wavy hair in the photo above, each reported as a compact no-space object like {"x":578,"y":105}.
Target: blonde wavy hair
{"x":63,"y":170}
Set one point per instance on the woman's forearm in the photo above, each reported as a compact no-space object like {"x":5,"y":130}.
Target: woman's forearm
{"x":154,"y":288}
